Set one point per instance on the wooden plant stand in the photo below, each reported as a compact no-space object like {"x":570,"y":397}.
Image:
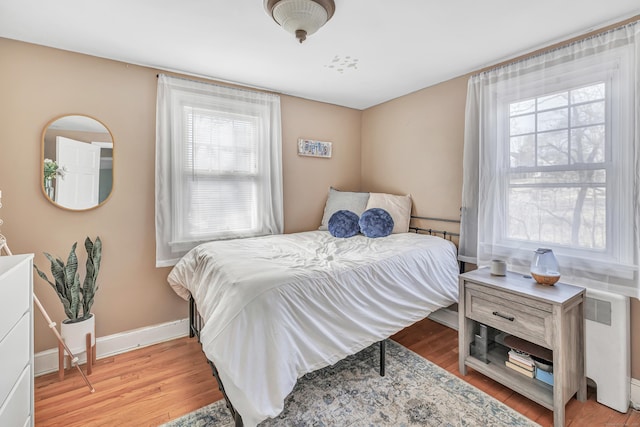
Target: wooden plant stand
{"x":91,"y":358}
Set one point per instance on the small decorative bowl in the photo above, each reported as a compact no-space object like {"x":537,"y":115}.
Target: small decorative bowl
{"x":545,"y":280}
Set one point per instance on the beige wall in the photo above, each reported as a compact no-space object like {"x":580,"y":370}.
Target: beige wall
{"x":413,"y":144}
{"x":307,"y":179}
{"x":38,"y":84}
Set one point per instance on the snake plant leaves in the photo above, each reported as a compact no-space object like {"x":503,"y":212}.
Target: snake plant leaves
{"x":90,"y":286}
{"x":76,"y":299}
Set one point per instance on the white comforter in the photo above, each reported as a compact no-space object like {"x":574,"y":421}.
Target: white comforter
{"x":277,"y":307}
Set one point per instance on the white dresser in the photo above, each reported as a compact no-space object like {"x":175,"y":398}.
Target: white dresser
{"x":16,"y":341}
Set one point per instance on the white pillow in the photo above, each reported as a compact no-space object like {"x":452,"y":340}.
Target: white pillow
{"x":339,"y":200}
{"x":399,"y":207}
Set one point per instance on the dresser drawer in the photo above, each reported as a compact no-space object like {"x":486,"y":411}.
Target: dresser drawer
{"x":15,"y":295}
{"x":14,"y":355}
{"x":525,"y":317}
{"x":16,"y":410}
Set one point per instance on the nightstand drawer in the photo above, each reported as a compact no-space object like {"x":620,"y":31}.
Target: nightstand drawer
{"x":517,"y":318}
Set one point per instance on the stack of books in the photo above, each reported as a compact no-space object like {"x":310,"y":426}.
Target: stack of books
{"x":521,"y":362}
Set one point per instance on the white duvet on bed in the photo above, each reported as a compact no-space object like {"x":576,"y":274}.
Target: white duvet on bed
{"x":277,"y":307}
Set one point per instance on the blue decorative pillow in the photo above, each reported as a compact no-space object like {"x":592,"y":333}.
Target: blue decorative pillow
{"x":343,"y":223}
{"x":376,"y":222}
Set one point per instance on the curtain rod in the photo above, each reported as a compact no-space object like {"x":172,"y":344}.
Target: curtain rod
{"x":230,"y":86}
{"x":559,"y":45}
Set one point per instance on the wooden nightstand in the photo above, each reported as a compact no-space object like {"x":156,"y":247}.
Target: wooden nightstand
{"x":550,"y":316}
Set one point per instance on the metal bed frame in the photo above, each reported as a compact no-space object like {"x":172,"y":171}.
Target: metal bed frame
{"x":448,"y":235}
{"x":195,"y":321}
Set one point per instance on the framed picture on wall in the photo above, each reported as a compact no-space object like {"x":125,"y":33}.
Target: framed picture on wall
{"x":308,"y":147}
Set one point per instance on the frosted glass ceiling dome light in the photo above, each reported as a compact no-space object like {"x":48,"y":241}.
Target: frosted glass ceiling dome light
{"x":300,"y":17}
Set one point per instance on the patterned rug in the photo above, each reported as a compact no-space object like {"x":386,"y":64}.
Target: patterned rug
{"x":414,"y":392}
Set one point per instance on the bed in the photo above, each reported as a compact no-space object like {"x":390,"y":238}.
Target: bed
{"x":274,"y":308}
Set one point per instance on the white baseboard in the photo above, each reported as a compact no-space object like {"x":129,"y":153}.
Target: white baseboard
{"x":47,"y":361}
{"x":635,"y":393}
{"x":446,"y":317}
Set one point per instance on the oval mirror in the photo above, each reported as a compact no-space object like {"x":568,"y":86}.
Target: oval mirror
{"x":77,"y":162}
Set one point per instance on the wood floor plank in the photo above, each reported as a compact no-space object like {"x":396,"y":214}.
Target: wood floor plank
{"x":152,"y":385}
{"x":634,"y":419}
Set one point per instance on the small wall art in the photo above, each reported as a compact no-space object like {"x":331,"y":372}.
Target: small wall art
{"x":308,"y":147}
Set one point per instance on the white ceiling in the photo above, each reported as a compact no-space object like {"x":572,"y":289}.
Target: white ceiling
{"x":371,"y":51}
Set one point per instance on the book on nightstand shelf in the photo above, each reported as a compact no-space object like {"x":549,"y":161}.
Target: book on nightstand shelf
{"x":521,"y":359}
{"x":521,"y":364}
{"x":520,"y":369}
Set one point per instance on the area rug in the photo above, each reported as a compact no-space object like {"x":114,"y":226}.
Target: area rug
{"x":414,"y":392}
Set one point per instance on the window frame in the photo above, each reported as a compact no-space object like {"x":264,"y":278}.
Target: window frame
{"x":554,"y":80}
{"x":173,"y":238}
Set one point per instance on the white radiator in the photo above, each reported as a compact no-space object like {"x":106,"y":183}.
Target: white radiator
{"x":608,"y":358}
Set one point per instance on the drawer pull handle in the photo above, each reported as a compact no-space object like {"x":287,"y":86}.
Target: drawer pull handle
{"x":504,"y":316}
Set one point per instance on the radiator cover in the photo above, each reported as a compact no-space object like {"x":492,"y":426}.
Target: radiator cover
{"x":608,"y":353}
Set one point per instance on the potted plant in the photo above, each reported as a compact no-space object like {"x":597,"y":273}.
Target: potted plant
{"x":51,"y":172}
{"x":76,"y":299}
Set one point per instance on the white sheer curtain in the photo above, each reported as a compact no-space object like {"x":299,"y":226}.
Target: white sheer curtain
{"x":218,"y":165}
{"x":552,"y":159}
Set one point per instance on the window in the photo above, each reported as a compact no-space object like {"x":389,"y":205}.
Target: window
{"x":218,"y":166}
{"x":551,"y":152}
{"x":220,"y":170}
{"x":558,"y":168}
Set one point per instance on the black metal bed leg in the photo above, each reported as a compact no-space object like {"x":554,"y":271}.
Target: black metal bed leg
{"x":383,"y":347}
{"x":195,"y":325}
{"x":238,"y":420}
{"x":192,"y":317}
{"x":235,"y":414}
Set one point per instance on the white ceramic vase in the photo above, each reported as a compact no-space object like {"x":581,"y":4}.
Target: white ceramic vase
{"x":75,"y":334}
{"x":544,"y":267}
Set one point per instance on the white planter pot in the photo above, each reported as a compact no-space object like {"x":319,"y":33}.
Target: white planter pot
{"x":75,"y":334}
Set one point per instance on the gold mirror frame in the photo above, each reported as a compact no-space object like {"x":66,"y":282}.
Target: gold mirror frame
{"x":57,"y":180}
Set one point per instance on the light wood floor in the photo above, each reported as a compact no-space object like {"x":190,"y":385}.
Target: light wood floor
{"x":153,"y":385}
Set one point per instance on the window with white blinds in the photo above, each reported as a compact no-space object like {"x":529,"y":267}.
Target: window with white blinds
{"x":218,"y":166}
{"x":220,"y":170}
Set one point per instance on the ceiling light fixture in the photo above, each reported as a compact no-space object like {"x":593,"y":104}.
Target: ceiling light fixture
{"x":300,"y":17}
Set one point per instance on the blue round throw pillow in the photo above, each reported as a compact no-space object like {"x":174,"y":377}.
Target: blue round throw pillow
{"x":343,"y":223}
{"x":376,"y":222}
